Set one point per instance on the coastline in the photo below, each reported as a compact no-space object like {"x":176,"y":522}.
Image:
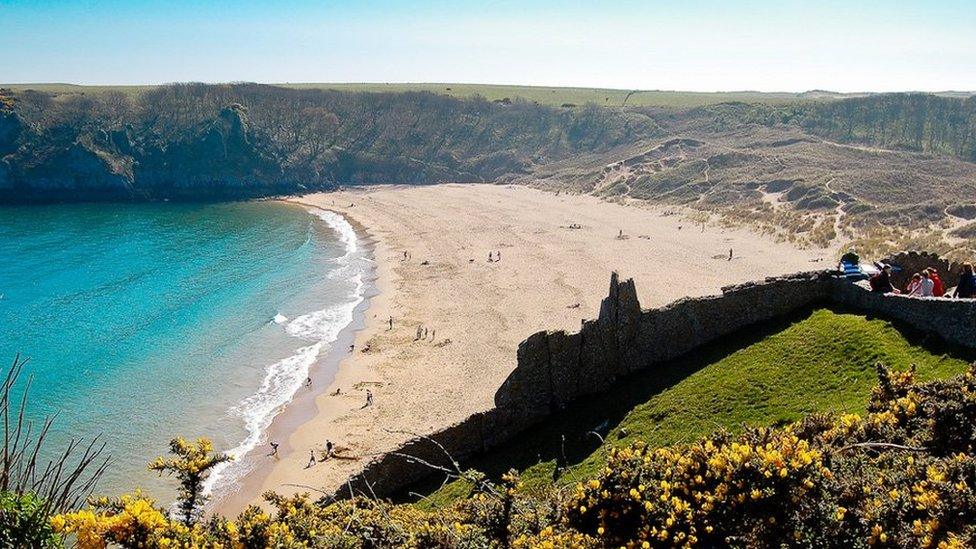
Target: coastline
{"x":304,"y":407}
{"x":549,"y":278}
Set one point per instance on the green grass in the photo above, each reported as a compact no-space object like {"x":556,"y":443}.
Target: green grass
{"x":551,"y":96}
{"x":821,"y":361}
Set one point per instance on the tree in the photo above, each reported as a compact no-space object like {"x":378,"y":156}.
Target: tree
{"x":191,"y":465}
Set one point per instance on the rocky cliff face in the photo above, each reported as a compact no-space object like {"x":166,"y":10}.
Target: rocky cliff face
{"x":221,"y":159}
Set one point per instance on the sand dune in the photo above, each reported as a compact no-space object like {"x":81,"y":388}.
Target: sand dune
{"x":550,"y":277}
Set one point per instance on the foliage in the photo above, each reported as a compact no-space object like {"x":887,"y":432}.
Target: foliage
{"x":24,"y":522}
{"x":269,"y":139}
{"x":900,"y":475}
{"x":31,"y":489}
{"x":191,"y":465}
{"x":821,"y":361}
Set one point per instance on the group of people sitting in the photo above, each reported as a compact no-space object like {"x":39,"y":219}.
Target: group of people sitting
{"x":926,"y":283}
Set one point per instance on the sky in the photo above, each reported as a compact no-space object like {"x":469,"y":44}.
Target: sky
{"x":708,"y":45}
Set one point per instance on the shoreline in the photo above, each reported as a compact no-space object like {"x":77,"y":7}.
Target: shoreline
{"x":558,"y":252}
{"x":303,"y":407}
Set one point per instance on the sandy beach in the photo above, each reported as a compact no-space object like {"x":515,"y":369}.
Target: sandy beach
{"x":557,"y":253}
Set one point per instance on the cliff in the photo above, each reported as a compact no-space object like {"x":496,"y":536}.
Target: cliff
{"x":214,"y":142}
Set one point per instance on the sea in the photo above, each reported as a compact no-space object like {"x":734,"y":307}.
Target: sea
{"x":144,"y":322}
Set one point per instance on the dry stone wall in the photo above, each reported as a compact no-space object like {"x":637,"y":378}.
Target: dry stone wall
{"x":556,"y":368}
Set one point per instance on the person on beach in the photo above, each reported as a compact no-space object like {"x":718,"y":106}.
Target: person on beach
{"x":328,"y":448}
{"x":369,"y":398}
{"x":498,"y":255}
{"x":966,"y":288}
{"x":311,"y":459}
{"x":490,"y":257}
{"x":308,"y":381}
{"x":730,"y":254}
{"x":391,"y":322}
{"x":425,"y":333}
{"x":433,"y":334}
{"x":274,"y":449}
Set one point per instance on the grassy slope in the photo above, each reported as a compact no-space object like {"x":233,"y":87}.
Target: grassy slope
{"x":551,"y":96}
{"x":822,"y":361}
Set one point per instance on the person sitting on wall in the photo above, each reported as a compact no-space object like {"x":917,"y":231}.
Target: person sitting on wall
{"x":913,"y":284}
{"x":966,"y":288}
{"x":851,"y":257}
{"x":923,"y":285}
{"x":881,"y":282}
{"x":938,"y":289}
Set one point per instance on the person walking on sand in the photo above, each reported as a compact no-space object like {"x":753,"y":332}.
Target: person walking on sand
{"x":274,"y":449}
{"x":369,"y":398}
{"x":391,"y":322}
{"x":328,"y":448}
{"x":311,"y":459}
{"x":730,"y":254}
{"x":308,"y":381}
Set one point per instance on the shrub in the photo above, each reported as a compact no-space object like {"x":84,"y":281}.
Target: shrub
{"x":900,"y":476}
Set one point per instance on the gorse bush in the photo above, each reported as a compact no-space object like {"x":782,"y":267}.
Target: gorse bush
{"x":901,"y":475}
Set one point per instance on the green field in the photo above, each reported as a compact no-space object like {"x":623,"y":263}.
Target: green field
{"x":551,"y":96}
{"x":823,"y":361}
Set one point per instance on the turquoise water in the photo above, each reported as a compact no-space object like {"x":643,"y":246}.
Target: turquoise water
{"x":144,"y":322}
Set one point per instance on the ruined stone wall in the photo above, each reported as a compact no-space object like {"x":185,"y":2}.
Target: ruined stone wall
{"x":556,"y":368}
{"x":953,"y":320}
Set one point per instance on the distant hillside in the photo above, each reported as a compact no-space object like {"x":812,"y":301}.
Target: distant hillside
{"x":885,"y":171}
{"x":551,"y":96}
{"x":200,"y":141}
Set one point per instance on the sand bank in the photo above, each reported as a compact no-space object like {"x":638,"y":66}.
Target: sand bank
{"x":557,"y":253}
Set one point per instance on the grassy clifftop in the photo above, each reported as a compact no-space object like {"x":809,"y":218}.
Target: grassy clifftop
{"x":824,"y":361}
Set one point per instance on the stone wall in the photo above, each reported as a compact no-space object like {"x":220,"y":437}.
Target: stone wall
{"x":556,"y":368}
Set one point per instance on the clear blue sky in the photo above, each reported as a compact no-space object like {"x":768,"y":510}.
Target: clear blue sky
{"x":767,"y":45}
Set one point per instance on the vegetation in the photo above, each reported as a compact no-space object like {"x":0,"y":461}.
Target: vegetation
{"x":30,"y":490}
{"x":822,"y":361}
{"x":235,"y":140}
{"x":900,"y":475}
{"x":896,"y":472}
{"x":543,"y":95}
{"x":916,"y":121}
